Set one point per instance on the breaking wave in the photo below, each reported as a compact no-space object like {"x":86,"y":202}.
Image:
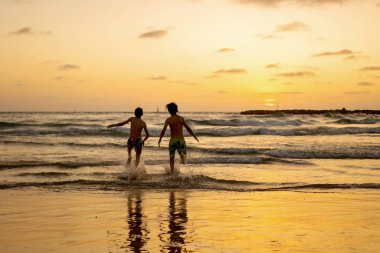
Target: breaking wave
{"x":197,"y":182}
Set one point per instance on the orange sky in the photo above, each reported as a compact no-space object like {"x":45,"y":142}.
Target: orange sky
{"x":206,"y":55}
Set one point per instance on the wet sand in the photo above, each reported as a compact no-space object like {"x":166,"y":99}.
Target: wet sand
{"x":61,"y":220}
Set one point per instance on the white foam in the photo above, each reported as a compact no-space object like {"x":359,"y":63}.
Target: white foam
{"x":136,"y":173}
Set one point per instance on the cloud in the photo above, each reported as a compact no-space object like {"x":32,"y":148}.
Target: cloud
{"x":275,"y":3}
{"x":221,"y":92}
{"x":20,"y":84}
{"x":282,"y":93}
{"x":365,"y":84}
{"x":273,"y":66}
{"x":230,"y":71}
{"x":22,"y":1}
{"x":334,"y":53}
{"x":59,"y":78}
{"x":371,"y":68}
{"x":156,"y":34}
{"x":212,"y":76}
{"x":226,"y":50}
{"x":355,"y":57}
{"x":296,"y":74}
{"x":29,"y":31}
{"x":22,"y":31}
{"x":157,"y":78}
{"x":64,"y":67}
{"x":292,"y":27}
{"x":356,"y":92}
{"x":192,"y":84}
{"x":267,"y":36}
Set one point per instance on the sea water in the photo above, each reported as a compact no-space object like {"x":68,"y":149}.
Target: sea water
{"x":236,"y":152}
{"x":286,"y":183}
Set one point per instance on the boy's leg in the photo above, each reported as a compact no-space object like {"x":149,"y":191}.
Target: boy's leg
{"x":172,"y":149}
{"x":172,"y":164}
{"x":130,"y":146}
{"x":137,"y":161}
{"x":129,"y":156}
{"x":183,"y":159}
{"x":182,"y":151}
{"x":138,"y":149}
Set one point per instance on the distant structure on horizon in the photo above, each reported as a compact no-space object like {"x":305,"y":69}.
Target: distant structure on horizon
{"x":304,"y":111}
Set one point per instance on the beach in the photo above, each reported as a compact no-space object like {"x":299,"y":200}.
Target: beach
{"x":36,"y":220}
{"x":263,"y":183}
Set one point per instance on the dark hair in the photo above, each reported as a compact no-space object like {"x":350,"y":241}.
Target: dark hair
{"x":139,"y":112}
{"x":172,"y":108}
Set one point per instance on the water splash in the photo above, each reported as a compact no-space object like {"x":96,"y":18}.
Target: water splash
{"x":136,"y":173}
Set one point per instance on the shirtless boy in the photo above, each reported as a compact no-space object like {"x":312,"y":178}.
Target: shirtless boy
{"x":177,"y":141}
{"x":135,"y":140}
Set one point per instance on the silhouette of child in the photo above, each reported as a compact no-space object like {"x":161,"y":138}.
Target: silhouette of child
{"x":135,"y":140}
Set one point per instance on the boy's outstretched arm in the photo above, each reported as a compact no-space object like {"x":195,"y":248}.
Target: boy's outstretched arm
{"x":162,"y":132}
{"x":120,"y":124}
{"x":189,"y":130}
{"x":146,"y":134}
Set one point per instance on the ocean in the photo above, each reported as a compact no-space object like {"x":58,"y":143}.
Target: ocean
{"x":236,"y":152}
{"x":281,"y":182}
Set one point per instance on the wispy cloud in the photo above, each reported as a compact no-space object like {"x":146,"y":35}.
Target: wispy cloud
{"x":334,"y":53}
{"x":365,"y":84}
{"x":292,"y":27}
{"x":213,"y":76}
{"x":296,"y":74}
{"x":276,"y":3}
{"x":29,"y":31}
{"x":357,"y":56}
{"x":225,"y":50}
{"x":192,"y":83}
{"x":64,"y":67}
{"x":157,"y":78}
{"x":371,"y":68}
{"x":230,"y":71}
{"x":356,"y":92}
{"x":155,"y":34}
{"x":20,"y":84}
{"x":22,"y":1}
{"x":282,"y":93}
{"x":266,"y":36}
{"x":273,"y":66}
{"x":221,"y":92}
{"x":60,"y":78}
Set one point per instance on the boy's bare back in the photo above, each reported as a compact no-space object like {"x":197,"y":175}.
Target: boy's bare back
{"x":137,"y":125}
{"x":176,"y":124}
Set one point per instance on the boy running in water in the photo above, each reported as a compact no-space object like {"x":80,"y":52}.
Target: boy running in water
{"x":135,"y":140}
{"x":177,"y":141}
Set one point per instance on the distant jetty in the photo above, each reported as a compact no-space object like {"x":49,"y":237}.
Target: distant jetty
{"x":296,"y":111}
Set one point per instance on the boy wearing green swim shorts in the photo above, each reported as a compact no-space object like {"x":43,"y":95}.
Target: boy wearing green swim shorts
{"x":177,"y":140}
{"x":135,"y":140}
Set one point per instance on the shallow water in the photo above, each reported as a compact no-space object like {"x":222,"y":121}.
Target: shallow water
{"x":235,"y":152}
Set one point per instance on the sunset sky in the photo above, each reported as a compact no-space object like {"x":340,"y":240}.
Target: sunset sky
{"x":206,"y":55}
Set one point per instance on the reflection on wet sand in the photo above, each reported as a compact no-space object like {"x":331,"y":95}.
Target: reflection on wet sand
{"x":138,"y":232}
{"x":176,"y":237}
{"x":173,"y":232}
